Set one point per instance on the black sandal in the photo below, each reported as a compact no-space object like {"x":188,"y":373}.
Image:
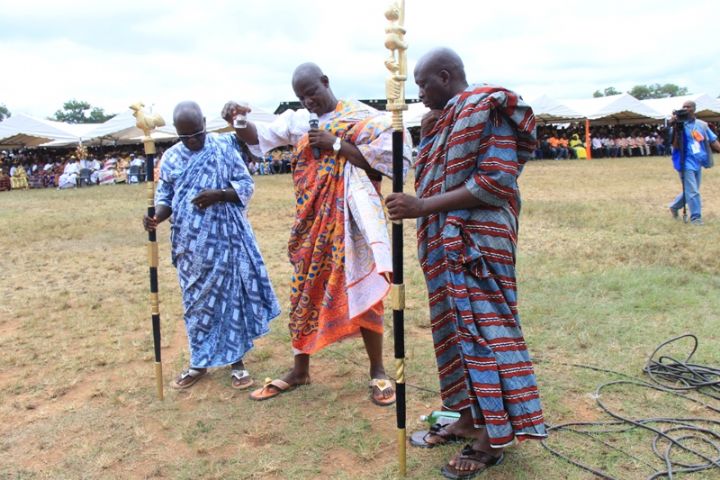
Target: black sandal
{"x":478,"y":456}
{"x":419,"y":439}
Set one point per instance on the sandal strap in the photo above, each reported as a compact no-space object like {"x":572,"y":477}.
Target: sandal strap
{"x":190,"y":372}
{"x":239,"y":374}
{"x":480,"y":456}
{"x":382,"y":384}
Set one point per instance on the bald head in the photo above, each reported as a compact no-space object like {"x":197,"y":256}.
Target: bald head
{"x":440,"y":74}
{"x":190,"y":125}
{"x":312,"y":88}
{"x":440,"y":59}
{"x":187,"y":111}
{"x":307,"y":71}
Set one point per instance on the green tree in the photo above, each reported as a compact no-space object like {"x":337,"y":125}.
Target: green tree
{"x":74,"y":111}
{"x":608,"y":92}
{"x":4,"y":112}
{"x":642,"y":92}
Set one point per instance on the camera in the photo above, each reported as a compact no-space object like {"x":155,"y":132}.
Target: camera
{"x":681,"y":115}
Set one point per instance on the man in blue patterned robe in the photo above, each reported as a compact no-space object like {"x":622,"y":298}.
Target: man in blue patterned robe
{"x":228,"y":300}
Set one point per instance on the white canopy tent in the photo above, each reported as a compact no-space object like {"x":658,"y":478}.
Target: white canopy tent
{"x":549,"y":110}
{"x":22,"y":130}
{"x":616,"y":109}
{"x":706,"y":107}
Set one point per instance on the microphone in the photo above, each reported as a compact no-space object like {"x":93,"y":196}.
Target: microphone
{"x":314,"y":121}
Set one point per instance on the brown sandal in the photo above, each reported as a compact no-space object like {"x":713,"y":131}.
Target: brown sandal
{"x":272,"y":388}
{"x":187,"y":378}
{"x":241,"y":379}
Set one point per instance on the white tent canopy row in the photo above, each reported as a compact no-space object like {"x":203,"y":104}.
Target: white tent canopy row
{"x":706,"y":107}
{"x":22,"y":130}
{"x":613,"y":110}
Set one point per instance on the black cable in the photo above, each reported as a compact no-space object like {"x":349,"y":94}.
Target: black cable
{"x":671,"y":434}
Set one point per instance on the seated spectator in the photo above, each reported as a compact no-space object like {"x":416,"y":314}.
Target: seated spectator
{"x":18,"y":177}
{"x":659,"y":145}
{"x":622,"y":145}
{"x":106,"y":175}
{"x":35,"y":176}
{"x":578,"y":147}
{"x":121,"y":168}
{"x":252,"y":166}
{"x":642,"y":146}
{"x":68,"y":179}
{"x":597,"y":148}
{"x":5,"y":183}
{"x":565,"y":144}
{"x":611,"y":147}
{"x":561,"y":152}
{"x":547,"y":150}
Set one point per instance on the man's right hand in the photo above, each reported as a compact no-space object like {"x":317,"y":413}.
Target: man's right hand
{"x":149,"y":223}
{"x":233,"y":108}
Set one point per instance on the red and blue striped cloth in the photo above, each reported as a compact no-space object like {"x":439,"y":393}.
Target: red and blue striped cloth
{"x":481,"y":141}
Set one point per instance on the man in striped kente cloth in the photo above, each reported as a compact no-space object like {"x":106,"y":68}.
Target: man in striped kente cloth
{"x":474,"y":143}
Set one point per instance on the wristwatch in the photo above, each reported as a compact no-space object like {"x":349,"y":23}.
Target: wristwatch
{"x":337,"y":145}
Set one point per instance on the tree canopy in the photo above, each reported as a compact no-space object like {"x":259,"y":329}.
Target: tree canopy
{"x":643,"y":92}
{"x":4,"y":112}
{"x":74,"y":111}
{"x":608,"y":92}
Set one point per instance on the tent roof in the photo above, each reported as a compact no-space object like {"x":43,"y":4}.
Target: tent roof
{"x":615,"y":109}
{"x":549,"y":110}
{"x":707,"y":107}
{"x":120,"y":127}
{"x":23,"y":130}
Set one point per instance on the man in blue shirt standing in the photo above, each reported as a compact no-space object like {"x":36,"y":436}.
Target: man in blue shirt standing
{"x":698,"y":141}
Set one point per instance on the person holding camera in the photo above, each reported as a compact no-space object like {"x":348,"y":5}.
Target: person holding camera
{"x":692,"y":151}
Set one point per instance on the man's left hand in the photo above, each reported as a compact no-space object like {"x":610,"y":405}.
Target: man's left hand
{"x":207,"y":198}
{"x":321,"y":139}
{"x":401,"y":205}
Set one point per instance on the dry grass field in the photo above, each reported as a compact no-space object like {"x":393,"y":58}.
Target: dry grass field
{"x":605,"y":276}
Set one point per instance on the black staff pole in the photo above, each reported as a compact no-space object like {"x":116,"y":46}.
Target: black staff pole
{"x":147,"y":123}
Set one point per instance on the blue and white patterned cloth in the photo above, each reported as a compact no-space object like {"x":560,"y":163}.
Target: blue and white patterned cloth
{"x":227,"y":295}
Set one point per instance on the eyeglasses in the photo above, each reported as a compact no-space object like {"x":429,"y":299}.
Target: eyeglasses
{"x":192,"y":135}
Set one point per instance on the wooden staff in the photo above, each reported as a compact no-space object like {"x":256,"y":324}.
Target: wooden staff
{"x":395,"y":92}
{"x":147,"y":123}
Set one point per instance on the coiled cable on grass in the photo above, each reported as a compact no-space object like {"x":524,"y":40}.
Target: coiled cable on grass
{"x":672,"y":435}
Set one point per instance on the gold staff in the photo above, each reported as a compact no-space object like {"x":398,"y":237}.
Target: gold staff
{"x":395,"y":92}
{"x":147,"y":123}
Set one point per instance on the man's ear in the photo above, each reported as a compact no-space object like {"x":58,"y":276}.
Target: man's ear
{"x":325,"y":80}
{"x":444,"y":76}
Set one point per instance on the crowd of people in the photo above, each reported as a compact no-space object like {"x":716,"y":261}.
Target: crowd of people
{"x":556,"y":143}
{"x":568,"y":143}
{"x":275,"y":162}
{"x":63,"y":170}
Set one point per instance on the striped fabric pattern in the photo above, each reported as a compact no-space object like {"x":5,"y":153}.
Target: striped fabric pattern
{"x":481,"y":141}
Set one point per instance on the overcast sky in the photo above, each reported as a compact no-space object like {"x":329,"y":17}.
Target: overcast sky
{"x":113,"y":53}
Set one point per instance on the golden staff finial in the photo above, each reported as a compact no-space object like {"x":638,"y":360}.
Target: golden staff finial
{"x":397,"y":62}
{"x":146,"y":123}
